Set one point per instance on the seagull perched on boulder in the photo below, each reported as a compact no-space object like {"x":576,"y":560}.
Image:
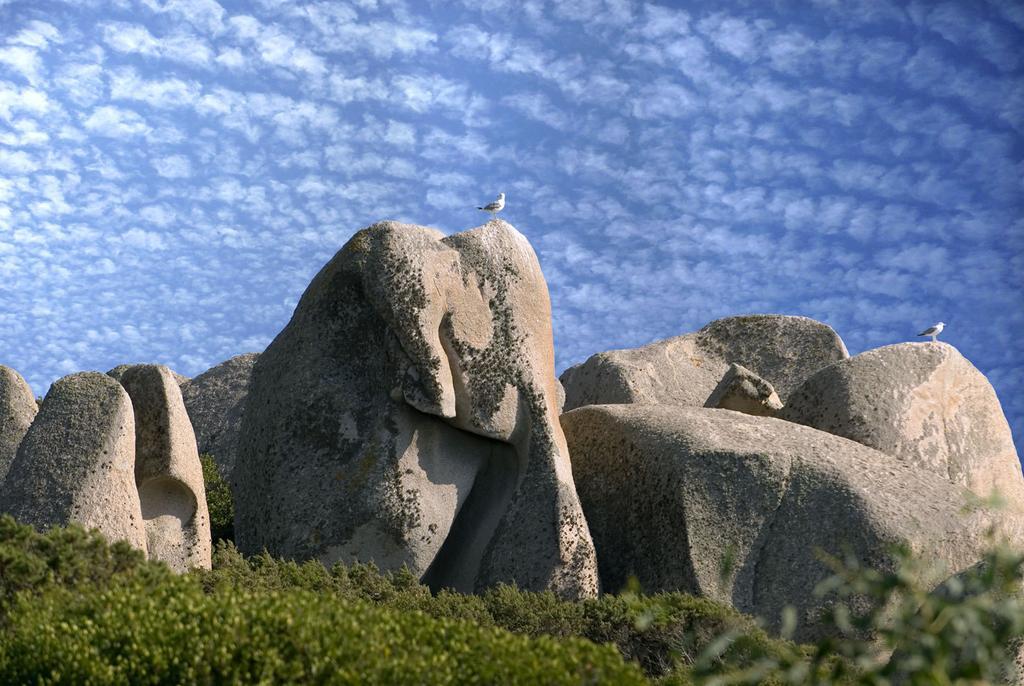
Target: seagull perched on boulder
{"x":933,"y":331}
{"x":494,"y":207}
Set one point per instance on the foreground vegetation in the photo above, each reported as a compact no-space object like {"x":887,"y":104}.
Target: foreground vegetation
{"x":74,"y":609}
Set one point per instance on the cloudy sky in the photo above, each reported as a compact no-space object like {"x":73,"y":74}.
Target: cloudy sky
{"x":173,"y":172}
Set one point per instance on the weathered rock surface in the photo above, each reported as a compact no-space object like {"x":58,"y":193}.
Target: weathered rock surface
{"x":215,"y":401}
{"x":672,"y":494}
{"x":684,"y":370}
{"x":922,"y":403}
{"x":167,"y":470}
{"x":120,"y":369}
{"x":17,"y":410}
{"x":408,"y":414}
{"x":744,"y":391}
{"x":77,"y":461}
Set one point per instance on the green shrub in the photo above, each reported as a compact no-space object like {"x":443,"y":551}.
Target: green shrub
{"x":965,"y":632}
{"x":659,"y":632}
{"x":173,"y":632}
{"x":66,"y":556}
{"x":77,"y":609}
{"x":218,"y":501}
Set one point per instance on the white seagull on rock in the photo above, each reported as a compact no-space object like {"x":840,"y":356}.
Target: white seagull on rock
{"x":495,"y":207}
{"x":933,"y":331}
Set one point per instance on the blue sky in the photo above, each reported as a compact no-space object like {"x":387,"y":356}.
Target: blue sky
{"x":173,"y":172}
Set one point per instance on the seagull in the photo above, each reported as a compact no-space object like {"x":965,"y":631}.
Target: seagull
{"x":933,"y":331}
{"x":495,"y":207}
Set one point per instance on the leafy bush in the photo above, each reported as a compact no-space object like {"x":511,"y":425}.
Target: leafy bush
{"x":218,"y":500}
{"x":659,"y":632}
{"x":966,"y":631}
{"x":171,"y":632}
{"x":74,"y":609}
{"x":30,"y":561}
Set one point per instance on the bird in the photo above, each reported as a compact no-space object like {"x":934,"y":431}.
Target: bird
{"x":494,"y":207}
{"x":933,"y":331}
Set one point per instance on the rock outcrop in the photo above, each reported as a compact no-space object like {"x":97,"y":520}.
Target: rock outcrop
{"x":77,"y":461}
{"x":684,"y":370}
{"x":744,"y":391}
{"x":733,"y":507}
{"x":168,"y":474}
{"x":17,"y":410}
{"x":118,"y":371}
{"x":923,"y":404}
{"x":215,"y":401}
{"x":408,"y":414}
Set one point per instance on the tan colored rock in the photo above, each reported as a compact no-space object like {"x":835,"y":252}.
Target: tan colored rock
{"x":685,"y":370}
{"x":744,"y":391}
{"x":922,"y":403}
{"x":17,"y":410}
{"x":77,"y":461}
{"x":215,"y":401}
{"x":168,"y":473}
{"x":408,"y":415}
{"x":120,"y":369}
{"x":734,"y":507}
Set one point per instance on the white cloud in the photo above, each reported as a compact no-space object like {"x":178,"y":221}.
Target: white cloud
{"x":14,"y":98}
{"x":662,"y":21}
{"x":205,"y":15}
{"x":421,"y":93}
{"x":126,"y":84}
{"x":159,"y":215}
{"x":341,"y":29}
{"x":663,"y":99}
{"x":400,"y":134}
{"x":130,"y":38}
{"x":83,"y":82}
{"x":345,"y":89}
{"x":276,"y":47}
{"x":732,"y":35}
{"x":173,"y":167}
{"x":990,"y":41}
{"x":25,"y":61}
{"x":115,"y":122}
{"x":17,"y":162}
{"x":538,"y":107}
{"x":37,"y":34}
{"x":232,"y":58}
{"x":140,"y":238}
{"x":181,"y":47}
{"x":26,"y":132}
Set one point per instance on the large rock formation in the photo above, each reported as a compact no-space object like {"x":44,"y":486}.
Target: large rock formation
{"x":684,"y":370}
{"x":167,"y":470}
{"x":730,"y":506}
{"x":17,"y":410}
{"x":215,"y":401}
{"x":922,"y":403}
{"x":77,"y":461}
{"x":408,"y":413}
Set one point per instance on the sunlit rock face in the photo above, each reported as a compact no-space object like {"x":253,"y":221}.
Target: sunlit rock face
{"x":408,"y":414}
{"x":77,"y":461}
{"x":923,"y":404}
{"x":736,"y":507}
{"x":168,"y":473}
